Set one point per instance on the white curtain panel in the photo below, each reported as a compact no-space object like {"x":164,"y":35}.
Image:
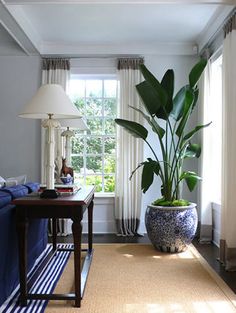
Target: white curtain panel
{"x":129,"y":152}
{"x":206,"y":158}
{"x":55,"y":71}
{"x":228,"y":214}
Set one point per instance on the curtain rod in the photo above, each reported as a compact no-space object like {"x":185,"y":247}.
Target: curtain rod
{"x":216,"y":34}
{"x":91,"y":56}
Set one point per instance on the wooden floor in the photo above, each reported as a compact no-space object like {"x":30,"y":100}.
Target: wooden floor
{"x":209,"y":252}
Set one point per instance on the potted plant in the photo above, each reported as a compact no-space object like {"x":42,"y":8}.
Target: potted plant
{"x":171,"y":222}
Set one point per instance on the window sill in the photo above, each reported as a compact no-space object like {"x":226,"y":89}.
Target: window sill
{"x":100,"y":195}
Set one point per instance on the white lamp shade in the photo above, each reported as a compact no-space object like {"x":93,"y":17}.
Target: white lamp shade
{"x":50,"y":99}
{"x":77,"y":123}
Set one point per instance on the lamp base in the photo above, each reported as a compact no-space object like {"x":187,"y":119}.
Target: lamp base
{"x":49,"y":194}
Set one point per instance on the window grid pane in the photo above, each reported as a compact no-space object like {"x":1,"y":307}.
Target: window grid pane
{"x":95,"y":151}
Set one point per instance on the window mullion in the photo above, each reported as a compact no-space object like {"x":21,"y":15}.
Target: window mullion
{"x":99,"y":118}
{"x":103,"y":131}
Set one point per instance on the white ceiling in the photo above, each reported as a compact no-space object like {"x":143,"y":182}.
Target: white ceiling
{"x":112,"y":27}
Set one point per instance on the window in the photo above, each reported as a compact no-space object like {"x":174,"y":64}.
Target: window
{"x":94,"y":152}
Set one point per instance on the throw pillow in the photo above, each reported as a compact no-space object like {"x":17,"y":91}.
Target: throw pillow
{"x":19,"y":180}
{"x":2,"y":182}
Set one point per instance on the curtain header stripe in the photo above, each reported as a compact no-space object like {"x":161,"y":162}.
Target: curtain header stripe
{"x":129,"y":63}
{"x":54,"y":64}
{"x":230,"y":25}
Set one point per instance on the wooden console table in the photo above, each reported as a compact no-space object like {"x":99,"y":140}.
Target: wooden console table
{"x":72,"y":207}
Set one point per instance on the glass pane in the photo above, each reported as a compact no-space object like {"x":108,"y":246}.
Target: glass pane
{"x":78,"y":179}
{"x":110,"y":88}
{"x":109,"y":126}
{"x":94,"y":145}
{"x":110,"y":144}
{"x":94,"y":88}
{"x":80,"y":104}
{"x":110,"y":107}
{"x":77,"y":88}
{"x":96,"y":181}
{"x":77,"y":163}
{"x":109,"y":164}
{"x":94,"y":107}
{"x":95,"y":126}
{"x":77,"y":145}
{"x":93,"y":165}
{"x":109,"y":183}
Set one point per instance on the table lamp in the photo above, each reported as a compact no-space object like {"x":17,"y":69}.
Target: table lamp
{"x":50,"y":103}
{"x":69,"y":124}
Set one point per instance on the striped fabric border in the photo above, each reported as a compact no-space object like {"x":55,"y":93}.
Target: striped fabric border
{"x":45,"y":283}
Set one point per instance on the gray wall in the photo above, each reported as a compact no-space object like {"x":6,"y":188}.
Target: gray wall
{"x":20,"y":77}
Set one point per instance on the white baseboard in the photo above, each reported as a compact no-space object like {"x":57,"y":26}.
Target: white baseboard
{"x":142,"y":228}
{"x":216,"y":237}
{"x":101,"y":227}
{"x":216,"y":216}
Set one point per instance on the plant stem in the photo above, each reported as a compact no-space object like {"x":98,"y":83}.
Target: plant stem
{"x":161,"y":172}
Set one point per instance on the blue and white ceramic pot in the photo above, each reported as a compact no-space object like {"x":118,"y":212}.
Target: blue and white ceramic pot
{"x":171,"y":229}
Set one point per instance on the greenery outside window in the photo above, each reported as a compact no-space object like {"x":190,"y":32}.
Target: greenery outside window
{"x":94,"y":152}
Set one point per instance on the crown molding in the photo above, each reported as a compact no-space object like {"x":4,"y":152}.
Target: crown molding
{"x":213,"y":26}
{"x":31,"y":2}
{"x":153,"y":48}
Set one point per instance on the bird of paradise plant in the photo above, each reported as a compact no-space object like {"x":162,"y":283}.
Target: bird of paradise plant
{"x":175,"y":142}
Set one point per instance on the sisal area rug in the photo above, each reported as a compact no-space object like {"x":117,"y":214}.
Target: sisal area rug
{"x":135,"y":278}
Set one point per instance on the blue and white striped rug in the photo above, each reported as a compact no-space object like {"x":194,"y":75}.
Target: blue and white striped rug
{"x":45,"y":283}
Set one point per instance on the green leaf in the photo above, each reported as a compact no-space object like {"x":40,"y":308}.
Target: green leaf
{"x":151,"y":79}
{"x":196,"y":72}
{"x":196,"y":129}
{"x":186,"y":112}
{"x":150,"y":168}
{"x":147,"y":177}
{"x":152,"y":122}
{"x":192,"y":151}
{"x":135,"y":129}
{"x":168,"y":84}
{"x":178,"y":103}
{"x":149,"y":97}
{"x":155,"y":165}
{"x":191,"y":179}
{"x":157,"y":128}
{"x":140,"y":164}
{"x":196,"y":94}
{"x":141,"y":112}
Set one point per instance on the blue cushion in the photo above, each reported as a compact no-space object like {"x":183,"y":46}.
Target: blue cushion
{"x":5,"y":199}
{"x":32,"y":186}
{"x":37,"y":241}
{"x":16,"y":191}
{"x":37,"y":238}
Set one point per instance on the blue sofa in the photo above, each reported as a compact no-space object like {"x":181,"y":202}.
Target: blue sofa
{"x":37,"y":238}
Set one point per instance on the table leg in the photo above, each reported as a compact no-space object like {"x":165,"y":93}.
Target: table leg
{"x":22,"y":230}
{"x":54,"y":234}
{"x":77,"y":233}
{"x":90,"y":226}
